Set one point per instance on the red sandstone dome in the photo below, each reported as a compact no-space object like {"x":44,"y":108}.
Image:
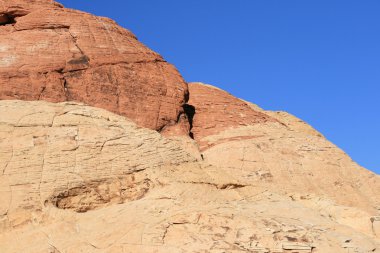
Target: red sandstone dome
{"x":51,"y":53}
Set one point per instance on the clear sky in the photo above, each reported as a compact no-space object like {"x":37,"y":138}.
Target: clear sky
{"x":319,"y":60}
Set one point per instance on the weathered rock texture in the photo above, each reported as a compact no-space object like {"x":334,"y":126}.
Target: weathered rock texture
{"x":80,"y":179}
{"x":84,"y":178}
{"x":75,"y":157}
{"x":277,"y":150}
{"x":213,"y":110}
{"x":55,"y":54}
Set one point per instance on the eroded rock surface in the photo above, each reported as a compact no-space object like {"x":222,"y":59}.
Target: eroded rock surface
{"x":55,"y":54}
{"x":285,"y":155}
{"x":213,"y":110}
{"x":81,"y":179}
{"x":74,"y":157}
{"x":276,"y":149}
{"x":76,"y":178}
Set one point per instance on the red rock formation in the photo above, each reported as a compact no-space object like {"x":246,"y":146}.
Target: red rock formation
{"x":55,"y":54}
{"x":215,"y":110}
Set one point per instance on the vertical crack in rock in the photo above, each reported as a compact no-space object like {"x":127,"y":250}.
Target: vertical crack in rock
{"x":8,"y":162}
{"x":65,"y":88}
{"x":75,"y":40}
{"x":42,"y":174}
{"x":190,"y":112}
{"x":77,"y":63}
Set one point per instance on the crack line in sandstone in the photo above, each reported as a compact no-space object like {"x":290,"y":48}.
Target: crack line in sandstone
{"x":75,"y":40}
{"x":9,"y":204}
{"x":48,"y":242}
{"x":62,"y":71}
{"x":227,"y":186}
{"x":109,"y":34}
{"x":112,"y":139}
{"x":9,"y":161}
{"x":42,"y":91}
{"x":42,"y":173}
{"x":117,"y":90}
{"x":373,"y":219}
{"x":42,"y":28}
{"x":55,"y":248}
{"x":66,"y":90}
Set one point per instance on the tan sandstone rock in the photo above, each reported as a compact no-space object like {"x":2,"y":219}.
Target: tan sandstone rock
{"x":55,"y":54}
{"x":81,"y":179}
{"x":286,"y":156}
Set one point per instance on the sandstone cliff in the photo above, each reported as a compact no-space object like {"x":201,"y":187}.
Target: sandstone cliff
{"x":83,"y":168}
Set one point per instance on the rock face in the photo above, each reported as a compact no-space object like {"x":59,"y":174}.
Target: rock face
{"x":84,"y":177}
{"x":55,"y":54}
{"x":213,"y":110}
{"x":277,"y":150}
{"x":74,"y":157}
{"x":81,"y":179}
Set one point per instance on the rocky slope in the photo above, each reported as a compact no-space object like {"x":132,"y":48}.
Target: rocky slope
{"x":80,"y":179}
{"x":96,"y":176}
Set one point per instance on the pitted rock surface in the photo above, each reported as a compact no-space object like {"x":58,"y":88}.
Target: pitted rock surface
{"x":55,"y":54}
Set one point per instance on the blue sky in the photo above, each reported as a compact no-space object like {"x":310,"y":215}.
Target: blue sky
{"x":319,"y":60}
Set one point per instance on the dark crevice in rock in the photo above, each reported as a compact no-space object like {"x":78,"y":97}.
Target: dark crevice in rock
{"x":190,"y":112}
{"x":10,"y":17}
{"x":6,"y":19}
{"x":67,"y":94}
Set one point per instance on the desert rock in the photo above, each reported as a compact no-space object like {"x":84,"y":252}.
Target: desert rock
{"x":83,"y":168}
{"x":55,"y":54}
{"x":81,"y":179}
{"x":213,"y":110}
{"x":285,"y":155}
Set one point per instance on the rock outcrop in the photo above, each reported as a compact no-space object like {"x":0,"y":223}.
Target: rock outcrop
{"x":83,"y":168}
{"x":81,"y":179}
{"x":213,"y":110}
{"x":55,"y":54}
{"x":74,"y":157}
{"x":279,"y":151}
